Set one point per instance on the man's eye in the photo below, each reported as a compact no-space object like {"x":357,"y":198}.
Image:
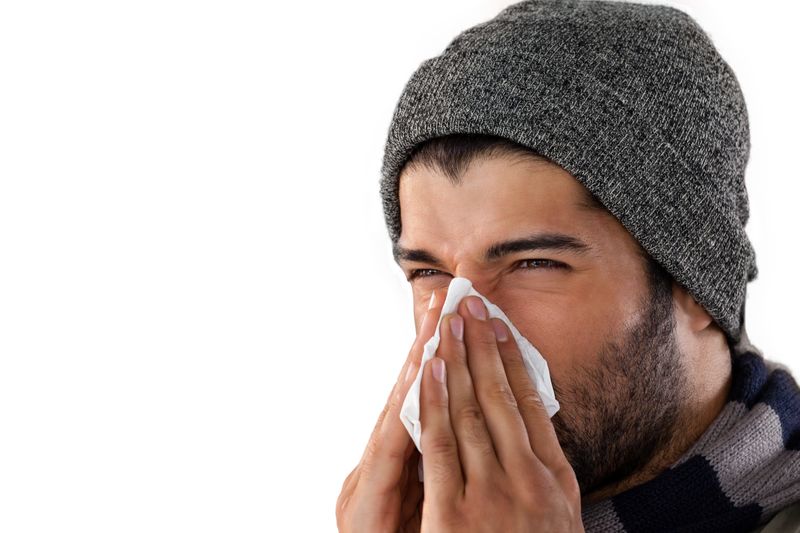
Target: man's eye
{"x":548,"y":263}
{"x":420,"y":273}
{"x":537,"y":264}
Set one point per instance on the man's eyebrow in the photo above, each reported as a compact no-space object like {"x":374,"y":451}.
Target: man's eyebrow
{"x":416,"y":255}
{"x":535,"y":242}
{"x":539,"y":241}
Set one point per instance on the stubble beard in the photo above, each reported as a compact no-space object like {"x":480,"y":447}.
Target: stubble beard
{"x":622,"y":411}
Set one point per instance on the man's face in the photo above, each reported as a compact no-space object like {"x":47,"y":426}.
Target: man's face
{"x":586,"y":306}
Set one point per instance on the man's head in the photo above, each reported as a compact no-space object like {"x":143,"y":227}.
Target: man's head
{"x":632,"y":101}
{"x":611,"y":322}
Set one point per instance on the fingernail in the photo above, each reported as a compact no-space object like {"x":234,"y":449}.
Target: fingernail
{"x":438,"y":369}
{"x":457,"y":326}
{"x":476,"y":308}
{"x":500,"y":330}
{"x":433,"y":300}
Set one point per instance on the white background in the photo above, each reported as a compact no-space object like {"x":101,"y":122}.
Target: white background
{"x":191,"y":243}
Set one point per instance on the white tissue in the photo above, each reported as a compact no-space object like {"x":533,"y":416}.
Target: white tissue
{"x":534,"y":362}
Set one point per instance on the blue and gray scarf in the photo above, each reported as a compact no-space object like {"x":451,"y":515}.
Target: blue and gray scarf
{"x":743,"y":470}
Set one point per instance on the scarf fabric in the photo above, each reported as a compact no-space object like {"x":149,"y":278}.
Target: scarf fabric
{"x":743,"y":470}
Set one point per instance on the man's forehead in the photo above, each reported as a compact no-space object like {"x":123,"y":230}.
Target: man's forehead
{"x":586,"y":201}
{"x":503,"y":229}
{"x":575,"y":239}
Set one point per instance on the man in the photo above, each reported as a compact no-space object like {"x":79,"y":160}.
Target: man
{"x":582,"y":163}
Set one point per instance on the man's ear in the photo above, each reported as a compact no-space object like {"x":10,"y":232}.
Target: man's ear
{"x":688,"y":310}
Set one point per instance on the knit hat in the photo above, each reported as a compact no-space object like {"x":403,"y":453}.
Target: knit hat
{"x":633,"y":100}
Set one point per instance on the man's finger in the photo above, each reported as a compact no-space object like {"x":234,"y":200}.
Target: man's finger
{"x":443,"y":477}
{"x":390,"y":445}
{"x":541,"y":433}
{"x":476,"y":449}
{"x":413,"y":488}
{"x":411,"y":365}
{"x":495,"y":396}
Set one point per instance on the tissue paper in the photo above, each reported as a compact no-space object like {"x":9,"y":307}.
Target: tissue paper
{"x":535,"y":364}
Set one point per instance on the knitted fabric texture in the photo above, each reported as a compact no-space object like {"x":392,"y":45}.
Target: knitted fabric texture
{"x":633,"y":100}
{"x":743,"y":470}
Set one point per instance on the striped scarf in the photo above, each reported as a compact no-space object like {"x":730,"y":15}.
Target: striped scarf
{"x":743,"y":470}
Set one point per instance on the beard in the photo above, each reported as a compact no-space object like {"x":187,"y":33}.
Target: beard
{"x":619,"y":413}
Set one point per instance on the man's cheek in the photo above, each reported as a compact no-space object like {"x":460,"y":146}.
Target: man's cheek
{"x":563,"y":343}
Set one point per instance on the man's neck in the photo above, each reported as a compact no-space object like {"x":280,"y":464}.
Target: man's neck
{"x":703,"y":406}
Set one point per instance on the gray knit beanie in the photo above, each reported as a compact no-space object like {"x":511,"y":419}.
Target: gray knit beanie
{"x":633,"y":100}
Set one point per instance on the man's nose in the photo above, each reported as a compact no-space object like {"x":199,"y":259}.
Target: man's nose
{"x":486,"y":287}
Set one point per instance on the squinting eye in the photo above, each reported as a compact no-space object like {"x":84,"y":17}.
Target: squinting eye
{"x":419,"y":273}
{"x":542,"y":264}
{"x":548,"y":262}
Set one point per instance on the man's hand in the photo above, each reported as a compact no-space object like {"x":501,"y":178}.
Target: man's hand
{"x":383,"y":492}
{"x":491,"y":457}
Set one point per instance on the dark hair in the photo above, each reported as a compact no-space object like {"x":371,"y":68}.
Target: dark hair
{"x":452,"y":154}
